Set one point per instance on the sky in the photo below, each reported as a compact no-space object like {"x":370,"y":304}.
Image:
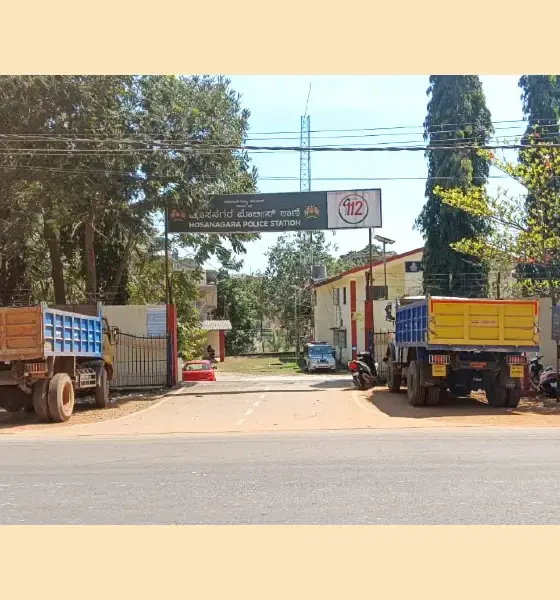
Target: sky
{"x":360,"y":103}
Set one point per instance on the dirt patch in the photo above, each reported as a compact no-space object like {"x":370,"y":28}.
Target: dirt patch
{"x":85,"y":412}
{"x":531,"y":412}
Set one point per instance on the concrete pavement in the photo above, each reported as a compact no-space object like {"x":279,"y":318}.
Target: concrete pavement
{"x":381,"y":477}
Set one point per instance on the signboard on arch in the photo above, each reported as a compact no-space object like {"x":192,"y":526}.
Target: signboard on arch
{"x":354,"y":210}
{"x":291,"y":211}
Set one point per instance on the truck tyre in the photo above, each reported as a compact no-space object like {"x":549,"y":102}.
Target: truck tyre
{"x":393,"y":377}
{"x":496,"y":395}
{"x":416,"y":392}
{"x":102,"y":391}
{"x":61,"y":397}
{"x":513,"y":397}
{"x":433,"y":395}
{"x":40,"y":402}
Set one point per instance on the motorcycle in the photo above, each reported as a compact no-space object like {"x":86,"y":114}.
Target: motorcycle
{"x":364,"y":371}
{"x":543,"y":379}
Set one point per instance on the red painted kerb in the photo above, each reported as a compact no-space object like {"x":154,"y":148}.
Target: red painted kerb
{"x":353,"y":324}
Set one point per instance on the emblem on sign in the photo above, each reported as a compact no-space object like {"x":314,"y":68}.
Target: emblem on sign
{"x":353,"y":209}
{"x":311,"y":212}
{"x":177,"y":215}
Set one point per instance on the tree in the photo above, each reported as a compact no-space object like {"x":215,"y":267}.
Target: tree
{"x":541,"y":105}
{"x":90,"y":162}
{"x":289,"y":293}
{"x":523,"y":237}
{"x":240,"y":301}
{"x":457,"y":118}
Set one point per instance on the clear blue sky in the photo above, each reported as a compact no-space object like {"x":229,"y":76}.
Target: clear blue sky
{"x":276,"y":104}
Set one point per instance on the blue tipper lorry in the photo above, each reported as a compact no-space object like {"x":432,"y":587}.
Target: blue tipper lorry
{"x":461,"y":345}
{"x":47,"y":355}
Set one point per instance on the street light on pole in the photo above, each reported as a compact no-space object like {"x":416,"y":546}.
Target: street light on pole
{"x":385,"y":241}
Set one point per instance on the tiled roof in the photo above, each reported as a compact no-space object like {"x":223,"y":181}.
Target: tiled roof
{"x":222,"y":325}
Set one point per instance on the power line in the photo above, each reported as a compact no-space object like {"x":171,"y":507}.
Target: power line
{"x":141,"y":175}
{"x":201,"y":148}
{"x":129,"y":138}
{"x":143,"y":139}
{"x":6,"y":147}
{"x":161,"y":137}
{"x":393,"y":127}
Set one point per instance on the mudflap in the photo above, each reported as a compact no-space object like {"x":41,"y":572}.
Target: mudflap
{"x":99,"y":367}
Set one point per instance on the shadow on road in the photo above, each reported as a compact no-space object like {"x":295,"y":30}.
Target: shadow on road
{"x":341,"y":384}
{"x":396,"y":405}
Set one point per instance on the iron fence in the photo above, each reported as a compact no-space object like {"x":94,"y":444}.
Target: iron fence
{"x":140,"y":362}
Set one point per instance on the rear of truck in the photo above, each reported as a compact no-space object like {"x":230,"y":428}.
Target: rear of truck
{"x":46,"y":355}
{"x":463,"y":345}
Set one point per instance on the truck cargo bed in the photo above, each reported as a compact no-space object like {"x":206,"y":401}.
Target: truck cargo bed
{"x":457,"y":323}
{"x":37,"y":332}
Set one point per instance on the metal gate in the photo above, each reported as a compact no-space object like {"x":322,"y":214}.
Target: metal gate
{"x":381,"y":341}
{"x":140,"y":362}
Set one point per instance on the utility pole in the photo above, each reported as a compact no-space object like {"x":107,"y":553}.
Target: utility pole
{"x":170,"y":357}
{"x":369,"y":292}
{"x":297,"y":320}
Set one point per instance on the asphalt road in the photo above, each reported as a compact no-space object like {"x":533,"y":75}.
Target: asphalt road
{"x":370,"y":477}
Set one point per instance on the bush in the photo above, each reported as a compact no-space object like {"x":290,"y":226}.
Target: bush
{"x":191,"y":342}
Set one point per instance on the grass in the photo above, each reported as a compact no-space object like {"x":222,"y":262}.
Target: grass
{"x":269,"y":365}
{"x":259,"y":364}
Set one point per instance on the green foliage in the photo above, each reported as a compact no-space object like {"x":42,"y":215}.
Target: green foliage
{"x":541,"y":104}
{"x":192,"y":341}
{"x":457,"y":116}
{"x":541,"y":107}
{"x":518,"y":232}
{"x":89,"y":164}
{"x":288,"y":280}
{"x":241,"y":301}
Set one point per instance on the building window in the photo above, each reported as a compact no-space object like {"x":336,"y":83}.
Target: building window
{"x":344,"y":295}
{"x":336,"y":296}
{"x":377,"y":292}
{"x":339,"y":338}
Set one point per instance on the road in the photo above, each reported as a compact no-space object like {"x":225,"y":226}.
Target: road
{"x":426,"y":476}
{"x":244,"y":404}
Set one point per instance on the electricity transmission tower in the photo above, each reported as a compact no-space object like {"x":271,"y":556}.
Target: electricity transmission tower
{"x":305,"y":155}
{"x":305,"y":186}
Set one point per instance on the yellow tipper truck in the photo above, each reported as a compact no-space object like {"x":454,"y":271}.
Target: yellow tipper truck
{"x":463,"y":345}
